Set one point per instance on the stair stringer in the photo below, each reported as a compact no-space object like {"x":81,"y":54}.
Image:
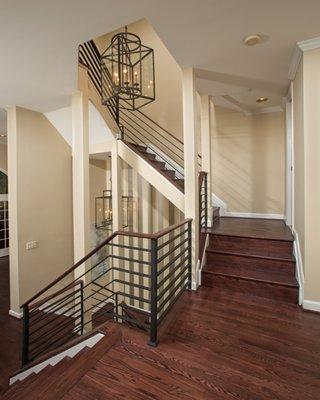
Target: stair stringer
{"x":151,"y":175}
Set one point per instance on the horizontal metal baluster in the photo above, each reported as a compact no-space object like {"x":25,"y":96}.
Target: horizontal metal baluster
{"x":172,"y":239}
{"x":173,"y":260}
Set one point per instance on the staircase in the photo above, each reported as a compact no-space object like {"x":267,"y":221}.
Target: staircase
{"x":159,"y":148}
{"x":56,"y":379}
{"x":161,"y":166}
{"x":251,"y":256}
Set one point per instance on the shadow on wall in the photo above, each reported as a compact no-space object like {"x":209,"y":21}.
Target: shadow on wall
{"x":248,"y":155}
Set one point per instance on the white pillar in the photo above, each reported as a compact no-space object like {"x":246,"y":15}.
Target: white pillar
{"x":191,"y":164}
{"x":81,"y":197}
{"x":116,"y":186}
{"x":206,"y":147}
{"x":13,"y":162}
{"x":80,"y":170}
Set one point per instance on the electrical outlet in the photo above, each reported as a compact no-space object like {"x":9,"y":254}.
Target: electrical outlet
{"x":31,"y":245}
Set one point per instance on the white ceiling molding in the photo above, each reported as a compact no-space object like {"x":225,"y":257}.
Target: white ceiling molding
{"x":295,"y":61}
{"x":236,"y":104}
{"x":298,"y":50}
{"x":267,"y":110}
{"x":309,"y":44}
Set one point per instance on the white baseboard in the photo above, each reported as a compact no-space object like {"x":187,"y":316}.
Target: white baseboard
{"x":253,"y":215}
{"x":311,"y":305}
{"x":217,"y":202}
{"x":299,"y":266}
{"x":15,"y":314}
{"x":196,"y":283}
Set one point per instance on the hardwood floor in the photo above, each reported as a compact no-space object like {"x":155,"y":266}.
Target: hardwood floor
{"x":217,"y":345}
{"x":10,"y":330}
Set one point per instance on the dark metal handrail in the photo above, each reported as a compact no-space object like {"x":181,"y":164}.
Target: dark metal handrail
{"x":66,"y":307}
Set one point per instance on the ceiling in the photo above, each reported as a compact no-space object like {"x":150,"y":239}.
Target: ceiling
{"x":39,"y":39}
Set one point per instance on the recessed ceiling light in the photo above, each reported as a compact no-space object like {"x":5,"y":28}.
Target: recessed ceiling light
{"x":252,"y":40}
{"x":262,"y":99}
{"x":3,"y":135}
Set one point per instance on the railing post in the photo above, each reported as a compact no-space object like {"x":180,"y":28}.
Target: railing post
{"x":154,"y":294}
{"x":190,"y":254}
{"x":25,"y":335}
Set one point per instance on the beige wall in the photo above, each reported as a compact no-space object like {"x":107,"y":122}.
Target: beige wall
{"x":306,"y":91}
{"x":248,"y":161}
{"x":42,"y":203}
{"x":167,"y":108}
{"x":3,"y":157}
{"x":298,"y":160}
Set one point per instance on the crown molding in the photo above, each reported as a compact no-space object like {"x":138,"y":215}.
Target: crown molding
{"x":299,"y":48}
{"x":309,"y":44}
{"x":295,"y":61}
{"x":267,"y":110}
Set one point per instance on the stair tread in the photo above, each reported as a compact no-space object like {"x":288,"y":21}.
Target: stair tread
{"x":252,"y":273}
{"x":250,"y":255}
{"x":252,"y":228}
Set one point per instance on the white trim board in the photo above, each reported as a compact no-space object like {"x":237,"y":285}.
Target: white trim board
{"x":265,"y":110}
{"x":71,"y":352}
{"x":217,"y":202}
{"x":15,"y":314}
{"x":299,"y":265}
{"x":311,"y":305}
{"x":300,"y":47}
{"x":196,"y":283}
{"x":253,"y":215}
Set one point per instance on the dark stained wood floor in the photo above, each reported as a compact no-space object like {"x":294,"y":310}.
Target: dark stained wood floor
{"x":10,"y":330}
{"x":218,"y":345}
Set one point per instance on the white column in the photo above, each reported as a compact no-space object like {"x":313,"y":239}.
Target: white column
{"x":191,"y":164}
{"x":206,"y":147}
{"x":13,"y":163}
{"x":80,"y":168}
{"x":116,"y":185}
{"x":81,"y":198}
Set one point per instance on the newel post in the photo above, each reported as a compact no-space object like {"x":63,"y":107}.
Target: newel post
{"x":25,"y":336}
{"x":154,"y":294}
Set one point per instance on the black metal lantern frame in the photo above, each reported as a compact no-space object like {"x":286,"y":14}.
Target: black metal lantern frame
{"x":127,"y":73}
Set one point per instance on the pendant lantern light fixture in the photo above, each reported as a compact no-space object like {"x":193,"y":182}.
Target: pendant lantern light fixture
{"x":127,"y":73}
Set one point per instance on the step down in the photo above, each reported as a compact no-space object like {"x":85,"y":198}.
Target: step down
{"x":249,"y":261}
{"x":251,"y":256}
